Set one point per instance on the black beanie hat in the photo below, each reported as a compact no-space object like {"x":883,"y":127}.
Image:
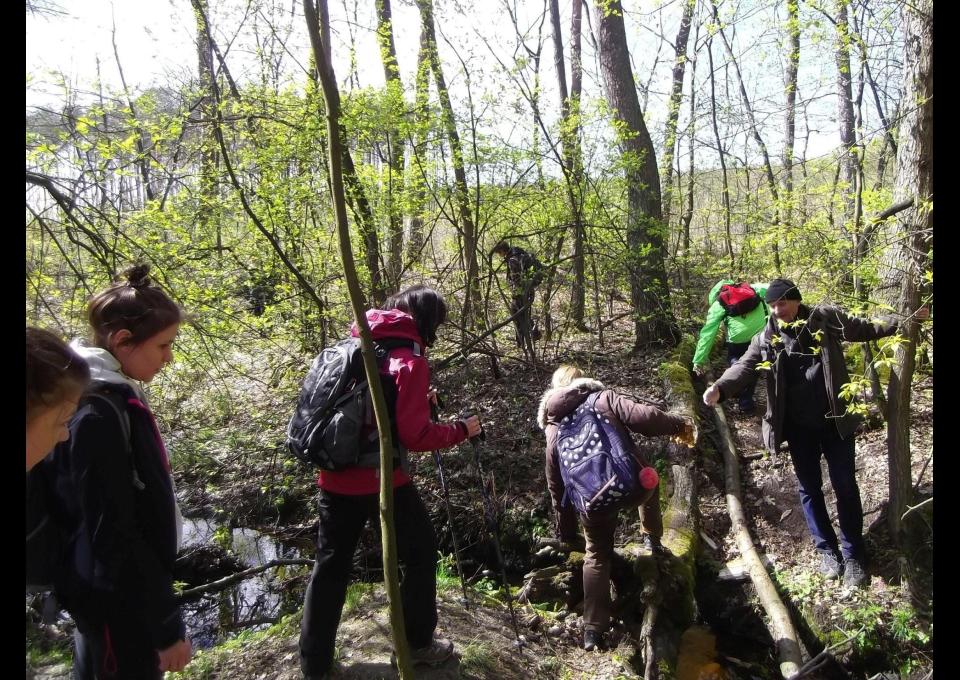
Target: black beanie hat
{"x":782,"y":289}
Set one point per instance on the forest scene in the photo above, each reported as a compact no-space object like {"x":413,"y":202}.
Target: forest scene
{"x":583,"y":183}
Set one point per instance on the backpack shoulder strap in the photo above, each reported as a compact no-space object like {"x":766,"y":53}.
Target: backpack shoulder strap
{"x":117,"y":402}
{"x":383,"y":347}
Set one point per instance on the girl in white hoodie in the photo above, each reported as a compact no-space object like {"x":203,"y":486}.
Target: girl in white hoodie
{"x":114,"y":484}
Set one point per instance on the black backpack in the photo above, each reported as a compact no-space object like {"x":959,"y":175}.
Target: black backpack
{"x":738,"y":299}
{"x":55,"y":529}
{"x":333,"y":426}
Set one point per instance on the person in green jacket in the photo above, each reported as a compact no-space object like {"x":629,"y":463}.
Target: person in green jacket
{"x":740,"y":329}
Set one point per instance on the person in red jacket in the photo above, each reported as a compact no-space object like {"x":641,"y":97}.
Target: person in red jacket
{"x":350,"y":497}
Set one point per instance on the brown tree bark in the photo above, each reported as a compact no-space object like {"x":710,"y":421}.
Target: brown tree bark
{"x":845,"y":116}
{"x":649,"y":293}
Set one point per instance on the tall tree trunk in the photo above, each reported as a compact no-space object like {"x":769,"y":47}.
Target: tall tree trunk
{"x":572,"y":164}
{"x":845,"y":116}
{"x":395,"y":180}
{"x":673,"y":107}
{"x":649,"y":293}
{"x":317,"y":26}
{"x":471,"y":303}
{"x":416,"y":176}
{"x":908,"y":257}
{"x":209,"y":202}
{"x":790,"y":113}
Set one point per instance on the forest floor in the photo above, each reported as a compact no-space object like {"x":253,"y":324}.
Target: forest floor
{"x":882,"y":630}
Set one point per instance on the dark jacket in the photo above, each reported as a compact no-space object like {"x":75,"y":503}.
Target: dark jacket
{"x":836,"y":327}
{"x":118,"y":496}
{"x":624,"y":415}
{"x":524,"y":271}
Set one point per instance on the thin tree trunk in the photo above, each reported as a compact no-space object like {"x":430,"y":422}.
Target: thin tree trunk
{"x":572,"y":164}
{"x":317,"y":26}
{"x":755,"y":131}
{"x":471,"y":304}
{"x":790,"y":114}
{"x":779,"y":624}
{"x":728,"y":240}
{"x":416,"y":177}
{"x":395,"y":179}
{"x":845,"y":115}
{"x":209,"y":201}
{"x":650,"y":295}
{"x":673,"y":106}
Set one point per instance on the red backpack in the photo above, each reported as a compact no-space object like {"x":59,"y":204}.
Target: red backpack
{"x":738,"y":298}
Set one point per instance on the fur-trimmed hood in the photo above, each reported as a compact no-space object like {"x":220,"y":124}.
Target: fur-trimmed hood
{"x":557,"y":402}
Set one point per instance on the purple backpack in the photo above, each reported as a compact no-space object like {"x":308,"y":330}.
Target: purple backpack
{"x":598,"y":470}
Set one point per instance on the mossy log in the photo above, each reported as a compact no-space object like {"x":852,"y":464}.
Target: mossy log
{"x":669,"y":579}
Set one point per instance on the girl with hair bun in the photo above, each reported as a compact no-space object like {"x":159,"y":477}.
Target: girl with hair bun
{"x":114,"y":484}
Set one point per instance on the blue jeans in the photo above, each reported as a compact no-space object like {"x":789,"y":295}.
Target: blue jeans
{"x":806,"y":447}
{"x":735,"y":350}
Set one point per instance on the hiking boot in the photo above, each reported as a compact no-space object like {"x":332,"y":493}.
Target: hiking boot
{"x":830,"y":565}
{"x":591,"y":640}
{"x":434,"y":654}
{"x":854,"y":575}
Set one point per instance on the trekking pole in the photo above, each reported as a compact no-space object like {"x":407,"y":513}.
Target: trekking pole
{"x":490,"y":516}
{"x":446,"y":501}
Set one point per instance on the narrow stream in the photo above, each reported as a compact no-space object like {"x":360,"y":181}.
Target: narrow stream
{"x":255,"y":602}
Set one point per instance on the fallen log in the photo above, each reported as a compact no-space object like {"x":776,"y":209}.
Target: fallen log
{"x":778,"y":618}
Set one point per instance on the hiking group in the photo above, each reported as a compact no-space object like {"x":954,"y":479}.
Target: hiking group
{"x":104,"y":528}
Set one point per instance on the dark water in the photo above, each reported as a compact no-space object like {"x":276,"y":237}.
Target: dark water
{"x":255,"y":602}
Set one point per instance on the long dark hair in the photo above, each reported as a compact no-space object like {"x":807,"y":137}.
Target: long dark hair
{"x":134,"y":304}
{"x":54,"y":371}
{"x":425,"y":305}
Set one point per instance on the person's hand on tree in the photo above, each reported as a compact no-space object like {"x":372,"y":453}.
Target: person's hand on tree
{"x":711,"y":395}
{"x":700,"y":371}
{"x":922,"y":314}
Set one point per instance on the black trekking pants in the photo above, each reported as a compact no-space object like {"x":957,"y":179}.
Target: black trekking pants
{"x":523,"y":324}
{"x":342,"y":519}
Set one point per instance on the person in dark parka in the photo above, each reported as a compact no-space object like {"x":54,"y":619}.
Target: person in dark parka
{"x":802,"y":354}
